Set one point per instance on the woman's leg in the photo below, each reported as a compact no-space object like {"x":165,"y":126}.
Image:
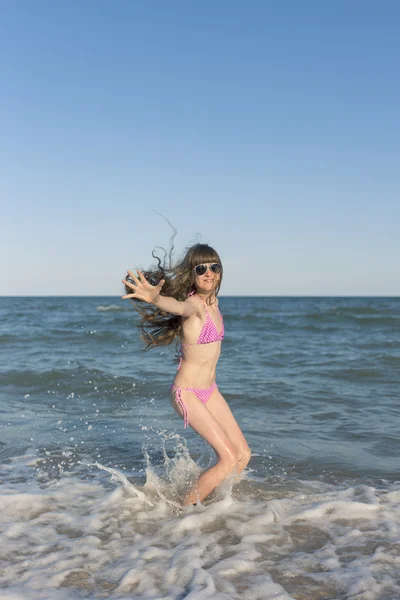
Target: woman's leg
{"x":219,"y":408}
{"x":204,"y":423}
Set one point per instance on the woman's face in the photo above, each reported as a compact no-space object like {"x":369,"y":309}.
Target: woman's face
{"x":208,"y":281}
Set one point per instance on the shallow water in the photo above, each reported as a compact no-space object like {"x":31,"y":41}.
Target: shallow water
{"x":94,"y":462}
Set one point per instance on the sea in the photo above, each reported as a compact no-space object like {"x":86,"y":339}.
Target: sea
{"x":94,"y":461}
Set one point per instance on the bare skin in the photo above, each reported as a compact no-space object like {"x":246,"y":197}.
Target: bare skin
{"x":214,"y":421}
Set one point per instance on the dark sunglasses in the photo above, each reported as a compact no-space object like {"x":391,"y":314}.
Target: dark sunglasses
{"x":201,"y":269}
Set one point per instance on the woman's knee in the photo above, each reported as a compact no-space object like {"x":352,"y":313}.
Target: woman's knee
{"x":243,"y":456}
{"x":228,"y":460}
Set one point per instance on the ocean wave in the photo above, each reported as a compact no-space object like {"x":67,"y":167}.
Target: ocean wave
{"x":6,"y":338}
{"x":390,"y":359}
{"x":269,"y":538}
{"x":356,"y":374}
{"x":80,"y":379}
{"x":343,"y":317}
{"x":110,"y":308}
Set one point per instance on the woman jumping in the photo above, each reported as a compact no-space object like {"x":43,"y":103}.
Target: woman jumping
{"x":182,"y":301}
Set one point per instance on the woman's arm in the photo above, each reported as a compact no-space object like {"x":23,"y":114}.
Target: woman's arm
{"x":143,"y":290}
{"x":175,"y":307}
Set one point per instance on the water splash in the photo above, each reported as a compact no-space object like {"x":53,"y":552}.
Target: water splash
{"x":127,"y":484}
{"x":171,"y":480}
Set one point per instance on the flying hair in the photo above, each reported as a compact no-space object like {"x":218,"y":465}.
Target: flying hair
{"x":158,"y":328}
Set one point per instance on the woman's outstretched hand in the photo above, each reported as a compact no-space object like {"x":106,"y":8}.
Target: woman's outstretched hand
{"x":141,"y":288}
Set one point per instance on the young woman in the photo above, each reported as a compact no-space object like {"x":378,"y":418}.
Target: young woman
{"x":182,"y":301}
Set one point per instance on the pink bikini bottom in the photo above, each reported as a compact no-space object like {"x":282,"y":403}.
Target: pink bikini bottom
{"x":202,"y":394}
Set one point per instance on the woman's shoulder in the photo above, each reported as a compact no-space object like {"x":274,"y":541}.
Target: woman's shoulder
{"x":195,"y":301}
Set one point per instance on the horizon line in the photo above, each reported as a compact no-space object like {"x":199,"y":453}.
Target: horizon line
{"x":220,"y":296}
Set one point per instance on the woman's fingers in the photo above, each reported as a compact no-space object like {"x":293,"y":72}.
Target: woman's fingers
{"x":135,"y":279}
{"x":139,"y":286}
{"x":141,"y":277}
{"x":129,"y":284}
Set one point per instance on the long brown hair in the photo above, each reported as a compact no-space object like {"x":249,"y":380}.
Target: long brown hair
{"x":157,"y":327}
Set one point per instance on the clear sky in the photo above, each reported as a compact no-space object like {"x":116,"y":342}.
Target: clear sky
{"x":269,"y":129}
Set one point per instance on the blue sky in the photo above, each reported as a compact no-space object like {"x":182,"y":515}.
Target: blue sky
{"x":269,"y":129}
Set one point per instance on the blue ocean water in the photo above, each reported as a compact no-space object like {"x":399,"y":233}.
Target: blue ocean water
{"x":94,"y":460}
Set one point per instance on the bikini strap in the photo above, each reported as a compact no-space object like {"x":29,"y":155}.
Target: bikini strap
{"x":204,"y":304}
{"x":178,"y":399}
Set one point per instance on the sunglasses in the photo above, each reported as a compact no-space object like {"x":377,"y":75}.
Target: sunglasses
{"x":201,"y":269}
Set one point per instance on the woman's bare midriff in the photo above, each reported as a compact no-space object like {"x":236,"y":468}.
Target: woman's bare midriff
{"x":198,"y":366}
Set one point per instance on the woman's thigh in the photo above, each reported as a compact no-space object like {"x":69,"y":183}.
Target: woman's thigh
{"x":219,"y":408}
{"x":203,"y":422}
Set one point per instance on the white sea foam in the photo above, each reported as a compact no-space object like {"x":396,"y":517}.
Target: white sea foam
{"x":110,"y":308}
{"x":75,"y":538}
